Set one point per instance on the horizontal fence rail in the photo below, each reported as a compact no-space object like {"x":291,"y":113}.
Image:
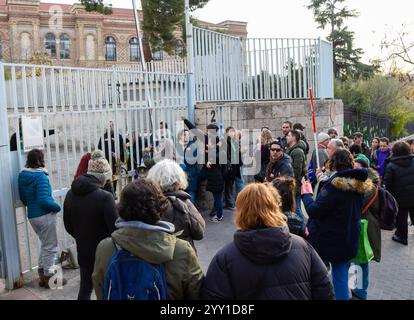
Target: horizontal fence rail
{"x":237,"y":69}
{"x":162,"y":66}
{"x":76,"y":106}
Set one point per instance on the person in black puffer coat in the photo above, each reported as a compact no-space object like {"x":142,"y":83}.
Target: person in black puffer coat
{"x":334,"y":217}
{"x":89,"y":215}
{"x":265,"y":261}
{"x":216,"y":170}
{"x":399,"y":181}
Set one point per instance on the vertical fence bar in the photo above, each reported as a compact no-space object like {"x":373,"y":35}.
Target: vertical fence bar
{"x":265,"y":71}
{"x":283,"y":68}
{"x":305,"y":71}
{"x":256,"y":76}
{"x":289,"y":69}
{"x":294,"y":68}
{"x":318,"y":67}
{"x":300,"y":89}
{"x":249,"y":70}
{"x":272,"y":72}
{"x":260,"y":76}
{"x":8,"y":227}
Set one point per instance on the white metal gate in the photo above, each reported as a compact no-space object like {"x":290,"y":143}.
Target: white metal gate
{"x":229,"y":68}
{"x":76,"y":106}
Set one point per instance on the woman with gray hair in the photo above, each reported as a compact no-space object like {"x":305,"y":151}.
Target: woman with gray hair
{"x":181,"y":211}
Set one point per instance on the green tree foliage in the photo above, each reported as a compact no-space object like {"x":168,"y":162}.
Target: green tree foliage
{"x":97,"y":6}
{"x":380,"y":95}
{"x":353,"y":94}
{"x":161,"y":19}
{"x":400,"y":117}
{"x":332,"y":14}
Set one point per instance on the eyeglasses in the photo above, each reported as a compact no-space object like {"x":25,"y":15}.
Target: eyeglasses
{"x":346,"y":145}
{"x":275,"y":150}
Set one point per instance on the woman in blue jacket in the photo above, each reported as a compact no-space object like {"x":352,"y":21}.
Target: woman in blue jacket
{"x":36,"y":194}
{"x":334,"y":217}
{"x":187,"y":158}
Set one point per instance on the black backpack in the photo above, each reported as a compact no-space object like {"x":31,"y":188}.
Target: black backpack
{"x":388,"y":210}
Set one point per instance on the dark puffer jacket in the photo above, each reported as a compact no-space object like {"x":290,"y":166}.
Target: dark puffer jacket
{"x":267,"y":264}
{"x":373,"y":215}
{"x":297,"y":153}
{"x":334,"y":217}
{"x":184,"y":216}
{"x":282,"y":168}
{"x":89,"y":215}
{"x":399,"y":180}
{"x":216,"y":173}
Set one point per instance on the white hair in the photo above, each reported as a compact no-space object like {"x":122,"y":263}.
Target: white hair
{"x":168,"y":174}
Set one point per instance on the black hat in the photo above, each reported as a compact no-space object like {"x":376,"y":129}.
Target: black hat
{"x":299,"y":126}
{"x":212,"y":126}
{"x":278,"y":142}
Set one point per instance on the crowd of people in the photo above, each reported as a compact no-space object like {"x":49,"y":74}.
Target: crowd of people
{"x":276,"y":253}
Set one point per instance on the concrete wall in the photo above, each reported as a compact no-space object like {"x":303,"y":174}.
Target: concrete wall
{"x":255,"y":115}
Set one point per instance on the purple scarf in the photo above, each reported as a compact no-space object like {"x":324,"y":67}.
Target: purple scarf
{"x":381,"y":161}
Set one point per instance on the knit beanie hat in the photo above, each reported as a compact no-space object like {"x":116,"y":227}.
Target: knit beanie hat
{"x":99,"y":167}
{"x":322,"y":137}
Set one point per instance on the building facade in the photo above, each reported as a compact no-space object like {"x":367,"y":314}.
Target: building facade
{"x":73,"y":37}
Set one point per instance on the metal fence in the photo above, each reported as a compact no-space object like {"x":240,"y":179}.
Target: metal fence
{"x":76,"y":106}
{"x":162,"y":66}
{"x":236,"y":69}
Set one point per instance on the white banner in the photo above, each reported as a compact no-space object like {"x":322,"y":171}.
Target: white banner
{"x":32,"y":133}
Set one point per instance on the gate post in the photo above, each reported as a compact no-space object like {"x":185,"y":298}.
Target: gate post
{"x":190,"y":64}
{"x":8,"y":229}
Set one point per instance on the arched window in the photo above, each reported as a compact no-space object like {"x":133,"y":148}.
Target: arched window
{"x":134,"y":53}
{"x":64,"y":46}
{"x":158,"y":55}
{"x":110,"y":49}
{"x":50,"y":45}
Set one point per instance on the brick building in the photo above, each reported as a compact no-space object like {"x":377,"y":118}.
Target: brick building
{"x":74,"y":37}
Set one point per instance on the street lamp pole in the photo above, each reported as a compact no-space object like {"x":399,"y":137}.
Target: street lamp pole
{"x":190,"y":64}
{"x":143,"y":64}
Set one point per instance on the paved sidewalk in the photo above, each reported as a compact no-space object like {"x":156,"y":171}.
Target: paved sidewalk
{"x":393,"y":278}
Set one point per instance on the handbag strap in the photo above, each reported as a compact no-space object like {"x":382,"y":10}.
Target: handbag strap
{"x":369,"y":204}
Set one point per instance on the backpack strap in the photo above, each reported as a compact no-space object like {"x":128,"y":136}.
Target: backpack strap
{"x":369,"y":204}
{"x":117,"y":246}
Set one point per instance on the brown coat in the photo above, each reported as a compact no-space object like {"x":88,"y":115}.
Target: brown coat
{"x":185,"y":217}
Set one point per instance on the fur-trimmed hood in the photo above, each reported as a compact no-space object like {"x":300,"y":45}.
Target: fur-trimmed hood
{"x":352,"y":180}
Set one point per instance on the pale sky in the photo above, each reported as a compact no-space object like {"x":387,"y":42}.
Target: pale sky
{"x":290,"y":18}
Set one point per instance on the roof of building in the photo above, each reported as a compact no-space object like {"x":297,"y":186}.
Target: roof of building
{"x":45,"y":6}
{"x":116,"y":12}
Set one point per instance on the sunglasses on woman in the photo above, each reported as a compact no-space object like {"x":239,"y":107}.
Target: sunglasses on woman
{"x":275,"y":149}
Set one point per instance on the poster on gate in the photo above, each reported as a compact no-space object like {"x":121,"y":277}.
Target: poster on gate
{"x":32,"y":133}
